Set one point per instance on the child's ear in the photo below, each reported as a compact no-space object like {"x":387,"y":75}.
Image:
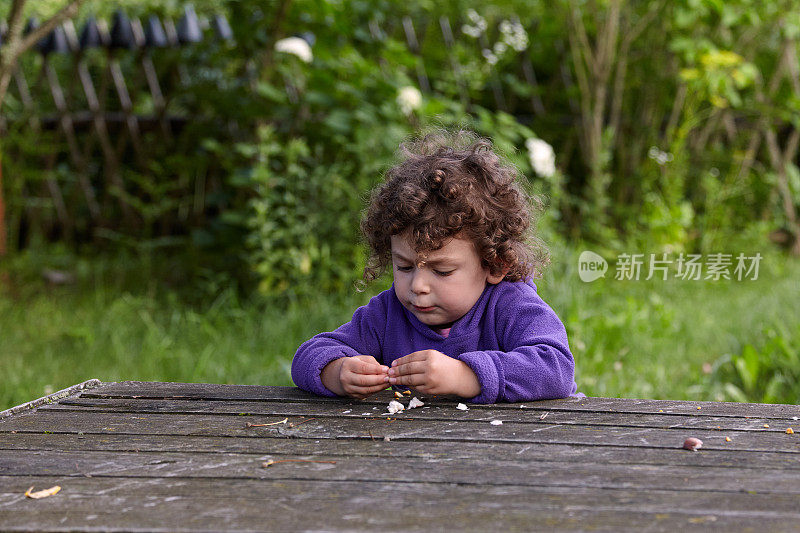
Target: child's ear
{"x":494,"y":279}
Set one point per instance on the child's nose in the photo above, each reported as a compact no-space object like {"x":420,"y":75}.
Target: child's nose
{"x":419,"y":282}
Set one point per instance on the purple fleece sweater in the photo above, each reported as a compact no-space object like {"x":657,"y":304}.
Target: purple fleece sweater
{"x":511,"y":339}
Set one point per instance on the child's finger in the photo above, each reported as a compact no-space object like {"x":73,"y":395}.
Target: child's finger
{"x":366,"y":359}
{"x":359,"y":366}
{"x":413,"y":356}
{"x":412,"y":380}
{"x":414,"y":367}
{"x":365,"y":380}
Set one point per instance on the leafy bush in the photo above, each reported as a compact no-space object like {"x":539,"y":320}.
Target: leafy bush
{"x":769,"y":373}
{"x":266,"y":178}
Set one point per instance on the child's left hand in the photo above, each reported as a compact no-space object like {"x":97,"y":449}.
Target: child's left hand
{"x":432,"y":372}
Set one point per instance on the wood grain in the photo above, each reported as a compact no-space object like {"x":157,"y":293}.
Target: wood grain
{"x":140,"y":456}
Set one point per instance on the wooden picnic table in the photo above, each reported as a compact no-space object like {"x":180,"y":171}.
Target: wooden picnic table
{"x":179,"y":456}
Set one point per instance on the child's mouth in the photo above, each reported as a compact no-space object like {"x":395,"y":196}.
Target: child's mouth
{"x":424,"y":309}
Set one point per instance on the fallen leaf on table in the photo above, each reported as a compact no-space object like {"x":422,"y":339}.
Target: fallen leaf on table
{"x":249,"y":425}
{"x":42,"y":493}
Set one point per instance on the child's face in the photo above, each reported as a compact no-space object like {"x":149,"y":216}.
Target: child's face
{"x":442,"y":288}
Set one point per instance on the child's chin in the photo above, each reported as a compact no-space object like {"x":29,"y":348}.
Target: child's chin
{"x":431,"y":320}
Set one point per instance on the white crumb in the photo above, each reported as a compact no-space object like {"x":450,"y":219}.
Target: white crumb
{"x":462,"y":407}
{"x":496,"y":422}
{"x":415,"y":402}
{"x":346,"y":412}
{"x":395,"y":407}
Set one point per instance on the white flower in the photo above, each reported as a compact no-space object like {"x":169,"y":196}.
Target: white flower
{"x":662,"y":158}
{"x":462,"y":407}
{"x":472,"y":31}
{"x":496,"y":422}
{"x":409,"y":98}
{"x":296,"y":46}
{"x":514,"y":35}
{"x":477,"y":20}
{"x":491,"y":58}
{"x":415,"y":403}
{"x":395,"y":407}
{"x":542,"y":156}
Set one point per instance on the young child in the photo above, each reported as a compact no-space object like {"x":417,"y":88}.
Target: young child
{"x":462,"y":317}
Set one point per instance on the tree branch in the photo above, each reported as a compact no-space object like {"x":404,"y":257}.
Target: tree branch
{"x":68,"y":11}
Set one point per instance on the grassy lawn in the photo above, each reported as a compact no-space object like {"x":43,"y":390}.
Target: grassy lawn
{"x":645,"y":339}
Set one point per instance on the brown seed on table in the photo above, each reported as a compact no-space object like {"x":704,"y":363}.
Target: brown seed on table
{"x":693,"y":444}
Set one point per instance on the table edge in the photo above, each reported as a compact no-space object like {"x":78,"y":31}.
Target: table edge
{"x":51,"y":398}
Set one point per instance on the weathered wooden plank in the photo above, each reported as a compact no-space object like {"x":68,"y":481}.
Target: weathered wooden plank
{"x":398,"y":448}
{"x":486,"y":471}
{"x":22,"y":442}
{"x":128,"y":389}
{"x":43,"y":421}
{"x":50,"y":398}
{"x":433,"y":410}
{"x":176,"y":504}
{"x":164,"y":504}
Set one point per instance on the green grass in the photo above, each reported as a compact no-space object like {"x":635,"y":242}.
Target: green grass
{"x":645,"y":339}
{"x":674,"y":339}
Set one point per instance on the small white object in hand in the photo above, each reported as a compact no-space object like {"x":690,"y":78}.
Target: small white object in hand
{"x":462,"y":407}
{"x":395,"y":407}
{"x":415,"y":402}
{"x":496,"y":422}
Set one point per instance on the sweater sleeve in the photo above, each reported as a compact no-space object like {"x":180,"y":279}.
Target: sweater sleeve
{"x":537,"y":365}
{"x":360,"y":336}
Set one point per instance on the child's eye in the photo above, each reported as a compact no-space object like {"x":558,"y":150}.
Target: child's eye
{"x":403,"y":268}
{"x":442,"y":273}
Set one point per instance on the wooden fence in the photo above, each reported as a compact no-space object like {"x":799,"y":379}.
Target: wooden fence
{"x":102,"y":96}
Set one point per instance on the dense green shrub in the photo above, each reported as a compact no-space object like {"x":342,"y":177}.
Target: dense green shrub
{"x":664,"y":137}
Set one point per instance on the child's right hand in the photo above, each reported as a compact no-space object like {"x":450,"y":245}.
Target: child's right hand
{"x":357,"y":376}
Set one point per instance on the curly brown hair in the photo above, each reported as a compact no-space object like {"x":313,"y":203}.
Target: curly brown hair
{"x":450,"y":184}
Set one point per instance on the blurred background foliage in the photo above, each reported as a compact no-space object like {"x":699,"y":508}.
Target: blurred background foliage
{"x":674,"y":126}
